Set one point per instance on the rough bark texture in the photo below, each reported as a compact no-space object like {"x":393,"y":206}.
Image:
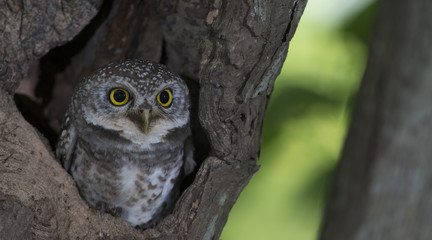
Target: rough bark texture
{"x":384,"y":185}
{"x":230,"y":53}
{"x":29,"y":29}
{"x":38,"y":199}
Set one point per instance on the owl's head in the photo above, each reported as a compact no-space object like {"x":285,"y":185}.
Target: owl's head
{"x":139,"y":100}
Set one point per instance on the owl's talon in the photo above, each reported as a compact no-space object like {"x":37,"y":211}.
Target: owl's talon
{"x":116,"y":212}
{"x":146,"y":225}
{"x":100,"y":206}
{"x":140,"y":227}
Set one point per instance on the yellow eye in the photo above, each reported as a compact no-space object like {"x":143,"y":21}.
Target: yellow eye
{"x":119,"y":96}
{"x":165,"y":98}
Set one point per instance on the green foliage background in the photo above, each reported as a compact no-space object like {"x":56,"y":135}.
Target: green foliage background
{"x":306,"y":123}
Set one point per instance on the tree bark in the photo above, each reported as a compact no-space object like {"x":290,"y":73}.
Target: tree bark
{"x":383,"y":187}
{"x":229,"y":52}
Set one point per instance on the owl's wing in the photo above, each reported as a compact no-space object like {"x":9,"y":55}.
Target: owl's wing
{"x":189,"y":162}
{"x":66,"y":143}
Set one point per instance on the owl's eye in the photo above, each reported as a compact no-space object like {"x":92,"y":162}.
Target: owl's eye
{"x":165,"y":98}
{"x":119,"y":96}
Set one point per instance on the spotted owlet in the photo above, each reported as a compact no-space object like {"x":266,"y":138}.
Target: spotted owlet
{"x":123,"y":139}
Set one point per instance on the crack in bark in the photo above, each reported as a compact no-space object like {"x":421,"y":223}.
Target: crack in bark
{"x":293,"y":12}
{"x":5,"y":160}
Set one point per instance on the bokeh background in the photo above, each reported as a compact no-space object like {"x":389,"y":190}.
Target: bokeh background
{"x":306,"y":123}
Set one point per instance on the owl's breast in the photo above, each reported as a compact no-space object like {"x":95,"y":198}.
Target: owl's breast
{"x":148,"y":194}
{"x":143,"y":184}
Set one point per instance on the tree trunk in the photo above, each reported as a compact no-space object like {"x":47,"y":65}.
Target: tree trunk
{"x":229,"y":52}
{"x":383,"y":187}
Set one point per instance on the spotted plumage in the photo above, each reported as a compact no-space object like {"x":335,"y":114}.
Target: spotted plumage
{"x":123,"y":139}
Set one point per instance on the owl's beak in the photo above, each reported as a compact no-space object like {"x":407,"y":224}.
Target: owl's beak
{"x":141,"y":119}
{"x":145,"y":121}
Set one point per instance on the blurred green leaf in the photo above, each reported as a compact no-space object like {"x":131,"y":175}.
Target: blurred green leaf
{"x":361,"y":24}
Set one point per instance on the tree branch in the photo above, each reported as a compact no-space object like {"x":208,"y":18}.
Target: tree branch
{"x":383,"y":186}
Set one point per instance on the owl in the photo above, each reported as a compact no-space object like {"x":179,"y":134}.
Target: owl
{"x":123,"y":140}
